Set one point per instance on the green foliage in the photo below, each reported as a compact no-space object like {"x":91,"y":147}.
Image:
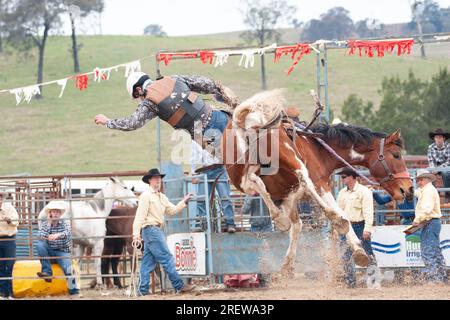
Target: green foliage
{"x":335,"y":24}
{"x":413,"y":105}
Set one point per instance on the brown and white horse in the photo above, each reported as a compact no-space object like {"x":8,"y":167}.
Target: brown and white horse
{"x":304,"y":166}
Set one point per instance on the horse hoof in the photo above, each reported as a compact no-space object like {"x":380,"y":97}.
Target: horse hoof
{"x":341,"y":225}
{"x":361,"y":258}
{"x":283,"y":224}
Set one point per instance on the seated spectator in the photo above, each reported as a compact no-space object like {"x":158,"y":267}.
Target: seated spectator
{"x":439,"y":156}
{"x":407,"y":217}
{"x":260,"y":218}
{"x":56,"y":241}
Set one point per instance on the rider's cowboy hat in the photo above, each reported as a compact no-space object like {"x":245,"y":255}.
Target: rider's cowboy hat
{"x":439,"y":132}
{"x":55,"y":205}
{"x":152,"y":173}
{"x":347,"y":172}
{"x":422,"y":173}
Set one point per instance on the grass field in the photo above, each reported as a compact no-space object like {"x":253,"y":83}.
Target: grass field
{"x":53,"y":136}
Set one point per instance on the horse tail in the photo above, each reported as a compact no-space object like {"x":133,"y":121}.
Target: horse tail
{"x":260,"y":110}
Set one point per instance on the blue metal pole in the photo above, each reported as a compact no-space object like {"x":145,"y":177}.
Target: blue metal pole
{"x":208,"y":231}
{"x":325,"y":85}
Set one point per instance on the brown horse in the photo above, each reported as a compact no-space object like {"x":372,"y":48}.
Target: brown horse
{"x":304,"y":166}
{"x":114,"y":246}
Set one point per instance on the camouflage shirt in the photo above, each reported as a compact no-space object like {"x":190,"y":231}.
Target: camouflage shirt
{"x":147,"y":110}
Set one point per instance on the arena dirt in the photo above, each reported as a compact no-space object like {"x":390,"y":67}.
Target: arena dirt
{"x":301,"y":288}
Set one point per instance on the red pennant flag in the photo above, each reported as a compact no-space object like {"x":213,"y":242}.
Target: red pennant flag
{"x":81,"y":81}
{"x":368,"y":48}
{"x":167,"y":57}
{"x":207,"y":56}
{"x":301,"y":49}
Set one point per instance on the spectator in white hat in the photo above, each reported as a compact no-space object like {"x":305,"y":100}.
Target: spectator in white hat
{"x":428,"y":214}
{"x":56,"y":241}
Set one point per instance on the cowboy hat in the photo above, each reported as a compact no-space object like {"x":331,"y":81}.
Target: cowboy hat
{"x":439,"y":132}
{"x":55,"y":205}
{"x":152,"y":173}
{"x":422,"y":173}
{"x":347,"y":172}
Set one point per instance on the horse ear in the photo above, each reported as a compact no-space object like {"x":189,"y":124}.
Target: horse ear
{"x":395,"y":136}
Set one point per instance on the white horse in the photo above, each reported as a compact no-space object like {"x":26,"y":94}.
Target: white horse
{"x":91,"y":232}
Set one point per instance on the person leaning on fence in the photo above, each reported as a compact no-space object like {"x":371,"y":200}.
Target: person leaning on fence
{"x":428,"y":215}
{"x":55,"y":240}
{"x":356,"y":200}
{"x":260,"y":218}
{"x":406,"y":217}
{"x":439,"y":156}
{"x":8,"y":230}
{"x":153,"y":206}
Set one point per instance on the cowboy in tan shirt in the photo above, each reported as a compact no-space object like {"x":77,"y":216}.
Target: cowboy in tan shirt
{"x":153,"y":206}
{"x":428,"y":213}
{"x":8,"y":229}
{"x":357,"y":202}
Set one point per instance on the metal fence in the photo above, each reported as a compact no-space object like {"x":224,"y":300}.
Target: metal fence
{"x":29,"y":195}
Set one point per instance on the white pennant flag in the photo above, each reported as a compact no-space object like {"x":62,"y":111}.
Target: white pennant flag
{"x":221,"y":58}
{"x":62,"y":83}
{"x":101,"y":74}
{"x":249,"y":55}
{"x":19,"y":95}
{"x":30,"y":92}
{"x":131,"y":67}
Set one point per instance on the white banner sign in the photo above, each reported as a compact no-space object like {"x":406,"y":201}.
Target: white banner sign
{"x":393,"y":248}
{"x":189,"y":251}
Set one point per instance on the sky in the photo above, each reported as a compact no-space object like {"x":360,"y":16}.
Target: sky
{"x":192,"y":17}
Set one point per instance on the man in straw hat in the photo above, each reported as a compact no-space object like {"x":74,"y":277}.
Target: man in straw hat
{"x":9,"y":220}
{"x":439,"y":155}
{"x":356,"y":200}
{"x":153,"y":206}
{"x":56,"y":241}
{"x":428,"y":214}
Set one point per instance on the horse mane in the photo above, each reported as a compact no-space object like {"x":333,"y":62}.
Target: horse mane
{"x":98,"y":201}
{"x":346,"y":135}
{"x":268,"y":103}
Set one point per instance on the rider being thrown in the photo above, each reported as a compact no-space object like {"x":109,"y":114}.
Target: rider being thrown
{"x":174,"y":99}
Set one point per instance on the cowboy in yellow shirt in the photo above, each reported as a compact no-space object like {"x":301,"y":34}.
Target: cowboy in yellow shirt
{"x":153,"y":206}
{"x":356,"y":200}
{"x":428,"y":213}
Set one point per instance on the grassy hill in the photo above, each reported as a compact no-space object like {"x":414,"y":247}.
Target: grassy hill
{"x":53,"y":136}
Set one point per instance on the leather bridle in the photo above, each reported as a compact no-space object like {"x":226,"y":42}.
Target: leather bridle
{"x":389,"y":175}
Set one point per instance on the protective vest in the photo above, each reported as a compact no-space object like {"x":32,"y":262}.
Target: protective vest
{"x":177,"y":104}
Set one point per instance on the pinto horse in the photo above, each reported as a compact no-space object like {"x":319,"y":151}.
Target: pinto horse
{"x":305,"y":166}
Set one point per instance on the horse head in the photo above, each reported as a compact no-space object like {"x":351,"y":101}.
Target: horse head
{"x":388,"y":167}
{"x":121,"y":192}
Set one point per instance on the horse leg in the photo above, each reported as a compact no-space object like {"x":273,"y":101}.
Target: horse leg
{"x":117,"y":250}
{"x":252,"y":181}
{"x":96,"y":252}
{"x":288,"y":267}
{"x":336,"y":215}
{"x":359,"y":254}
{"x":105,"y":263}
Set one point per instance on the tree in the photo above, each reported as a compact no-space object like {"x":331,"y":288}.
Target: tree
{"x":30,"y":24}
{"x":154,"y":30}
{"x":413,"y":105}
{"x":78,"y":9}
{"x":5,"y":10}
{"x":368,"y":28}
{"x":262,"y":18}
{"x":335,"y":24}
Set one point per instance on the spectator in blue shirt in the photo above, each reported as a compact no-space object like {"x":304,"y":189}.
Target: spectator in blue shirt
{"x":56,"y":241}
{"x":407,"y":217}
